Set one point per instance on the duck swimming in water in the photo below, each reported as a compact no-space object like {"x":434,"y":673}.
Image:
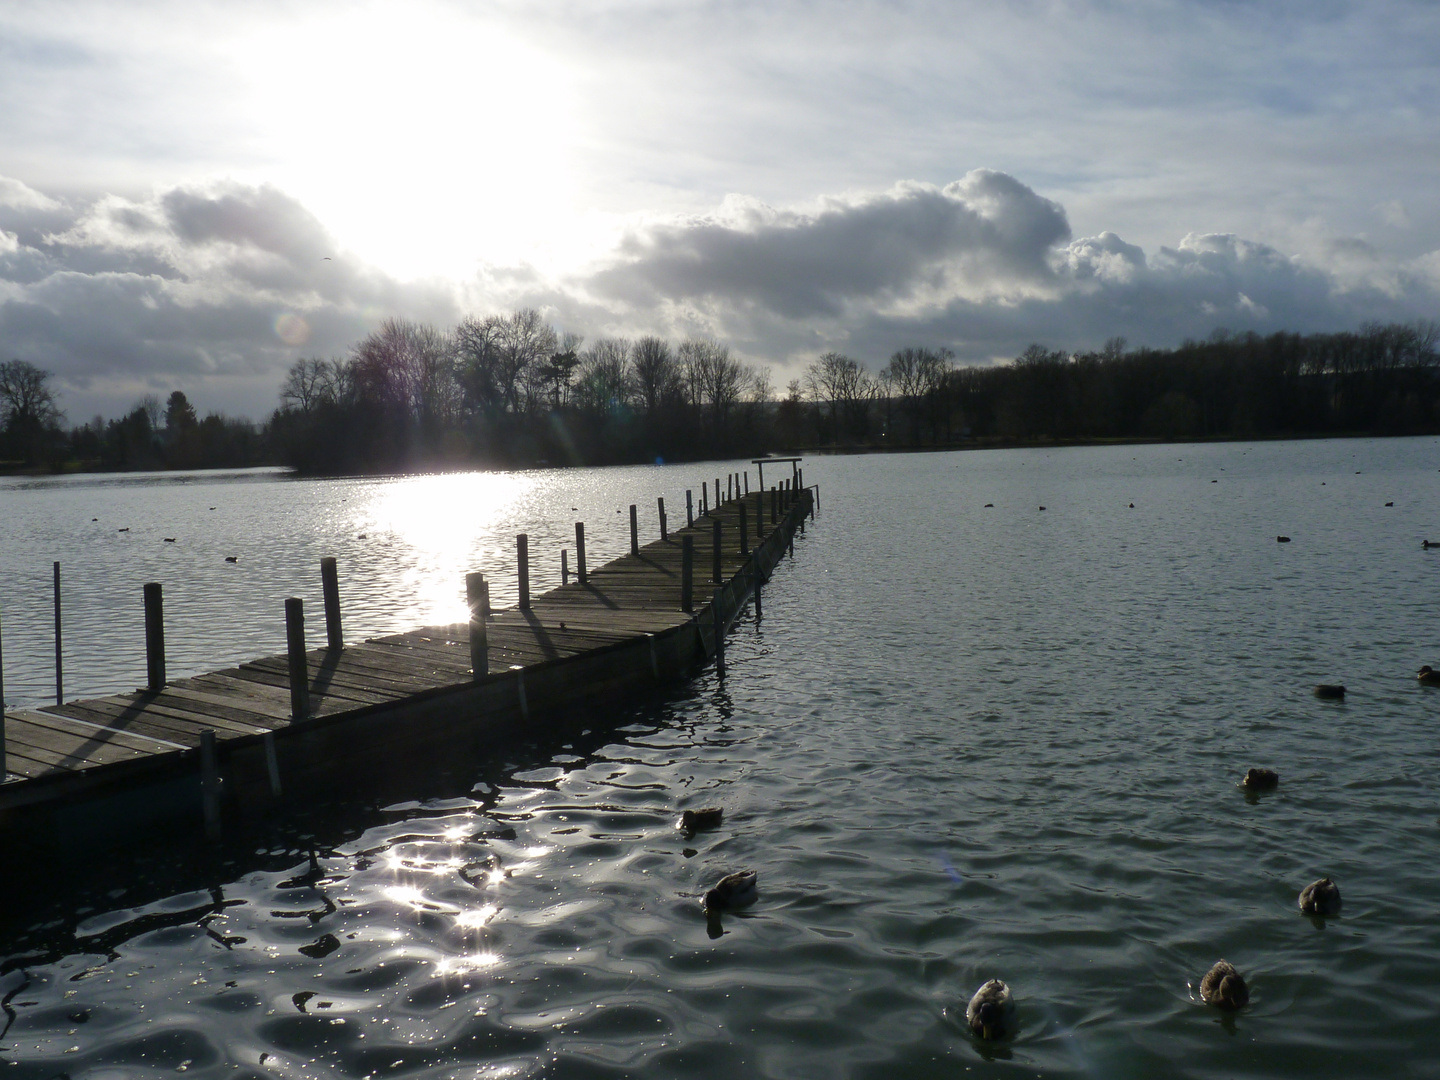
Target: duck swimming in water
{"x":733,"y":891}
{"x":1260,"y":780}
{"x":1224,"y":987}
{"x":1320,"y":898}
{"x":1331,"y":691}
{"x":1428,"y":676}
{"x":991,"y":1012}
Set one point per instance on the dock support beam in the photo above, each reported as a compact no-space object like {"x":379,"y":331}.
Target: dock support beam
{"x":476,"y":598}
{"x":154,"y":638}
{"x":564,"y":566}
{"x":209,"y":784}
{"x":704,"y":497}
{"x":295,"y":650}
{"x":689,"y":509}
{"x":522,"y":561}
{"x":664,"y":532}
{"x":2,"y":710}
{"x":330,"y":586}
{"x":717,"y":568}
{"x":755,"y":569}
{"x":744,"y":533}
{"x":634,"y":531}
{"x":759,"y":515}
{"x":272,"y":764}
{"x":59,"y":665}
{"x":719,"y":622}
{"x":580,"y":552}
{"x":687,"y":572}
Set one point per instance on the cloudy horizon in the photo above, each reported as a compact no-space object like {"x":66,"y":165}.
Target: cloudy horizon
{"x":191,"y":199}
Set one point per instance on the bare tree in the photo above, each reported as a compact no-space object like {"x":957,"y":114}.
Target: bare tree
{"x":603,"y":382}
{"x":409,"y":367}
{"x":525,"y":342}
{"x":313,"y":382}
{"x":715,"y":381}
{"x":838,"y":381}
{"x":28,"y":407}
{"x":657,"y":373}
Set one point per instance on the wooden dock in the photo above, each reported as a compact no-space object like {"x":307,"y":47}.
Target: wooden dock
{"x":232,"y":741}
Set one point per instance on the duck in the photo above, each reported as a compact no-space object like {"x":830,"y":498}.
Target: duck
{"x":1429,"y":543}
{"x":736,"y":890}
{"x":1428,"y":676}
{"x":1320,"y":898}
{"x":1260,"y":780}
{"x":708,"y":817}
{"x":1332,"y":691}
{"x":170,"y":539}
{"x":231,"y":558}
{"x":1224,"y":987}
{"x":991,"y":1012}
{"x":1282,"y":539}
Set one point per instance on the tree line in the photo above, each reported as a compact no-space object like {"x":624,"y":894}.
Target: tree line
{"x":510,"y":390}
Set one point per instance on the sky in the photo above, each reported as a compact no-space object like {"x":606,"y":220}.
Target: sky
{"x":193,"y":195}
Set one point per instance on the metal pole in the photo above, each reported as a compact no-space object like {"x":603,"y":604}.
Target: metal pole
{"x":154,"y":638}
{"x":295,"y":649}
{"x":522,"y":559}
{"x":59,"y":665}
{"x":580,"y":552}
{"x":479,"y":639}
{"x":330,"y":585}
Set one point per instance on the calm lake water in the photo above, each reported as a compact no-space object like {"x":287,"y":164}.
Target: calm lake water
{"x":965,"y":742}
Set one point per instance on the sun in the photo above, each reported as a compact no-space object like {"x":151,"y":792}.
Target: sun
{"x":427,"y":140}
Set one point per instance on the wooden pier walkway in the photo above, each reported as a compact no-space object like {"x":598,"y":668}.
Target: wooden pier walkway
{"x":233,"y":736}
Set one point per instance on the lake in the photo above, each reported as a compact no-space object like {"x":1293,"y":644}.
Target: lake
{"x":966,"y":741}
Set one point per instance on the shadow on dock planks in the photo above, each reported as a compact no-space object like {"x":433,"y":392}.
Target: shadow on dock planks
{"x":225,"y":744}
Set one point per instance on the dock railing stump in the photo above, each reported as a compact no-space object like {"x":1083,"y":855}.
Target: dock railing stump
{"x":689,"y":509}
{"x":664,"y":532}
{"x":744,"y":532}
{"x":295,"y":653}
{"x":154,"y":638}
{"x":59,"y":664}
{"x":716,"y":530}
{"x":634,"y":531}
{"x":522,"y":562}
{"x":687,"y":572}
{"x":476,"y":598}
{"x":330,"y":586}
{"x":580,"y":553}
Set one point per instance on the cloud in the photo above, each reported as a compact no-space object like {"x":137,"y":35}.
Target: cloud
{"x":213,"y":289}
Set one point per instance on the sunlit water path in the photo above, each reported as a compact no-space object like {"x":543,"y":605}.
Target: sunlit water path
{"x":964,"y":742}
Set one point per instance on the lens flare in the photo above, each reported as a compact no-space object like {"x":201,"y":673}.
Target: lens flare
{"x":291,"y":328}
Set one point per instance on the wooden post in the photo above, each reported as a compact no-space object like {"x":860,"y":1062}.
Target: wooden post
{"x":729,"y":486}
{"x":209,"y":784}
{"x":760,"y":473}
{"x":717,"y":492}
{"x":479,"y":635}
{"x":330,"y":586}
{"x":687,"y":572}
{"x":634,"y":531}
{"x":759,"y":516}
{"x":689,"y":510}
{"x":272,"y":764}
{"x":2,"y":709}
{"x":295,"y":648}
{"x":580,"y":552}
{"x":719,"y":623}
{"x":715,"y":531}
{"x":154,"y":638}
{"x":59,"y":665}
{"x":564,"y":566}
{"x":747,"y":481}
{"x":520,"y":689}
{"x":799,"y":478}
{"x":522,"y":561}
{"x":744,"y":533}
{"x":704,"y":497}
{"x":664,"y":532}
{"x":755,"y":568}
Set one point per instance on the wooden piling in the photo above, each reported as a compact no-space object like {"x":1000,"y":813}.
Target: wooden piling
{"x":154,"y":638}
{"x":687,"y":572}
{"x":2,"y":707}
{"x":759,"y":516}
{"x":664,"y":532}
{"x":59,"y":664}
{"x":716,"y":530}
{"x":520,"y":691}
{"x":330,"y":586}
{"x":210,"y":784}
{"x":580,"y":553}
{"x":479,"y":637}
{"x":634,"y":531}
{"x":564,"y":566}
{"x":272,"y":764}
{"x":689,"y":510}
{"x":522,"y":563}
{"x":717,"y":493}
{"x":295,"y":654}
{"x":704,"y":497}
{"x":755,"y":569}
{"x":744,"y":532}
{"x":719,"y":628}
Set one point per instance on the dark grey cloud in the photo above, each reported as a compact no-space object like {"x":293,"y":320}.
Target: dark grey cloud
{"x":987,"y":228}
{"x":215,"y":290}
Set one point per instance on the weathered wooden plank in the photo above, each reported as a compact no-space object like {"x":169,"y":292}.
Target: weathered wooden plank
{"x":149,"y":744}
